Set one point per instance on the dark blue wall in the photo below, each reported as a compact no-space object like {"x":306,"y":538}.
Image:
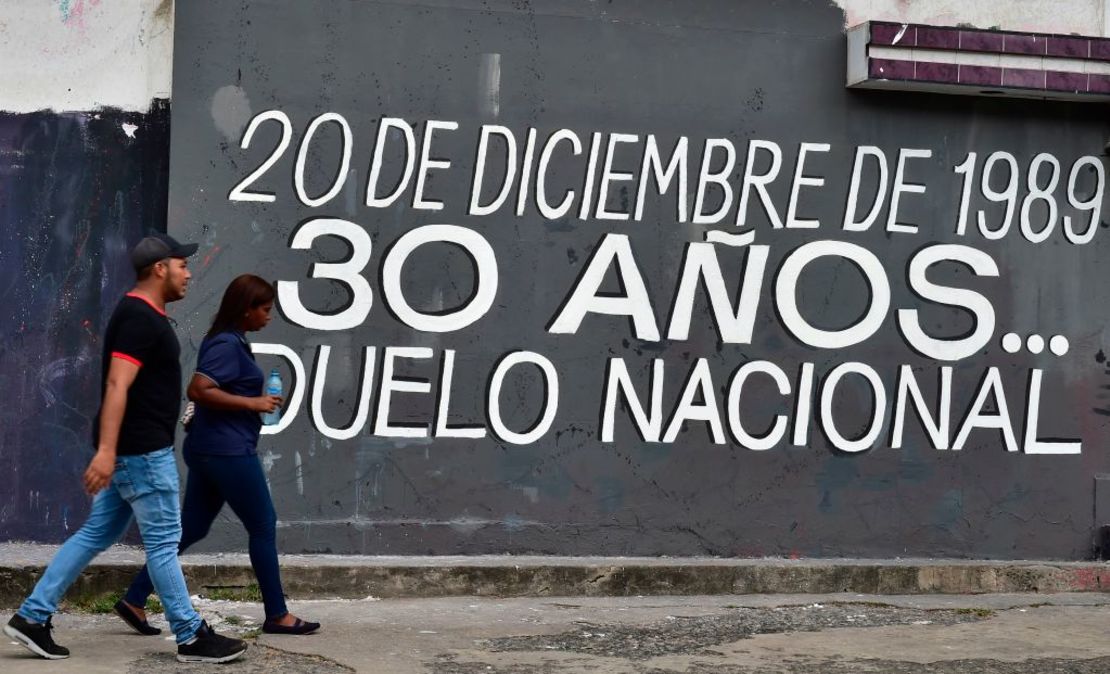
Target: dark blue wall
{"x":75,"y":192}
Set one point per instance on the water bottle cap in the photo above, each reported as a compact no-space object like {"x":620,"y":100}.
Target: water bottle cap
{"x":274,"y":372}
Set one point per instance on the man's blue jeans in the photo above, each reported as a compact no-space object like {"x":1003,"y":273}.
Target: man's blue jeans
{"x":144,"y":487}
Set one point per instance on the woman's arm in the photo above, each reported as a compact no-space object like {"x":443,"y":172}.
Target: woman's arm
{"x":204,"y":391}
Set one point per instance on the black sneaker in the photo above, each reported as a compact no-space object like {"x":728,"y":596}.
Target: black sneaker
{"x":210,"y":647}
{"x":35,"y":637}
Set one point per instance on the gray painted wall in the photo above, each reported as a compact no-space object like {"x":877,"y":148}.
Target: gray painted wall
{"x":709,"y":69}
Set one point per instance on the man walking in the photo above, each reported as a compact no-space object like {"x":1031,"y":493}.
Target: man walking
{"x":134,"y":474}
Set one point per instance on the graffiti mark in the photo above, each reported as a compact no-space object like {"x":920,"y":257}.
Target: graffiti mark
{"x":74,"y":10}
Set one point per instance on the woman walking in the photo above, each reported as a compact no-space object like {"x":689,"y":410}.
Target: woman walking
{"x":220,"y":451}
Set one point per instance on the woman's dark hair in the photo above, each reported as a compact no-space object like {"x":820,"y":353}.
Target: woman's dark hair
{"x":244,"y":293}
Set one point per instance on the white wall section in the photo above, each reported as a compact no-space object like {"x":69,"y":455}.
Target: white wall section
{"x":1085,"y":17}
{"x":80,"y":55}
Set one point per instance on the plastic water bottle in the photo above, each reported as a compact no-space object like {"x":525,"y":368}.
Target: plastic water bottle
{"x":273,"y":388}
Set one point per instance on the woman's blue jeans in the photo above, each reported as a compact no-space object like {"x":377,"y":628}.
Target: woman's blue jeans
{"x":144,"y":488}
{"x":239,"y":482}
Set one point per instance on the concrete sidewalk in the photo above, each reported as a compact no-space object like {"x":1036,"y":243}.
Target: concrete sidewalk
{"x":356,"y":577}
{"x":764,"y":634}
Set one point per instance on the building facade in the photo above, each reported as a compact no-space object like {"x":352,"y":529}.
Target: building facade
{"x":653,"y":278}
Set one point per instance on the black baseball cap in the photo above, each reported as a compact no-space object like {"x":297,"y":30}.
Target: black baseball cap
{"x":158,"y":247}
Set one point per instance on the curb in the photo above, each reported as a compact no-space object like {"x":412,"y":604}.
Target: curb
{"x":423,"y":577}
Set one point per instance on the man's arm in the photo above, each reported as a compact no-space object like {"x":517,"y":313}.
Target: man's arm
{"x":121,"y":374}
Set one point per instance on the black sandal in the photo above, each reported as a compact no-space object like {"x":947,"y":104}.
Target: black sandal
{"x":299,"y":627}
{"x":124,"y":610}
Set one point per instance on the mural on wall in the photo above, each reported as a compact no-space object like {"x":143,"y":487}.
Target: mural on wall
{"x":76,"y":190}
{"x":645,"y":279}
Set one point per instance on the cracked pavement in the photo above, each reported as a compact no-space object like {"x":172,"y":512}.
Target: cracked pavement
{"x":748,"y":634}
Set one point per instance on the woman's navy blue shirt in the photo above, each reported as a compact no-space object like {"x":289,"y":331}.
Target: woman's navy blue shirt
{"x":226,"y":359}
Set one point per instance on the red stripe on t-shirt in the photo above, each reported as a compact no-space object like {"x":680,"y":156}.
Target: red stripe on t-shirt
{"x":140,"y":297}
{"x":129,"y":359}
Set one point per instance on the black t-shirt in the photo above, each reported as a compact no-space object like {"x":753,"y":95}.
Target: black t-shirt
{"x":141,"y":333}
